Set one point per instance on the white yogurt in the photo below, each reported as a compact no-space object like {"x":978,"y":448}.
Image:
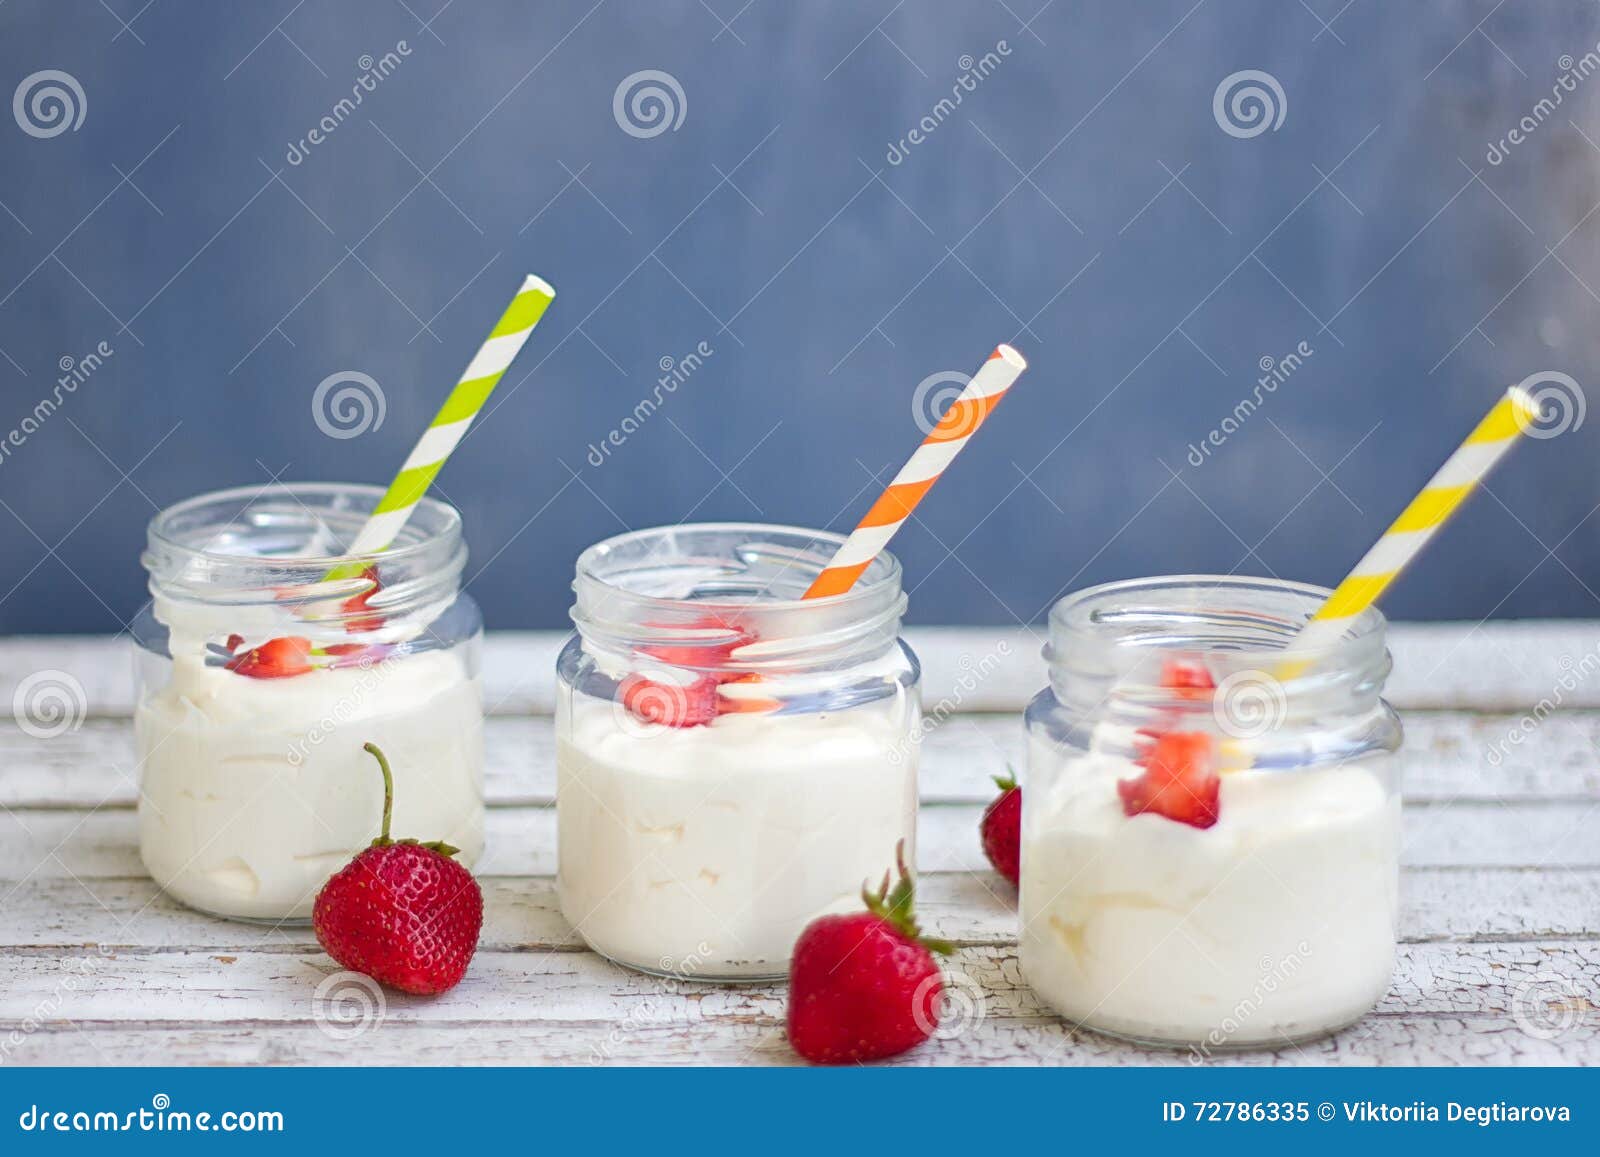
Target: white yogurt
{"x":1275,"y":924}
{"x":704,"y":851}
{"x":254,"y":791}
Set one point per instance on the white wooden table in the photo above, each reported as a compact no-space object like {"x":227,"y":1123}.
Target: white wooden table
{"x":1501,"y":890}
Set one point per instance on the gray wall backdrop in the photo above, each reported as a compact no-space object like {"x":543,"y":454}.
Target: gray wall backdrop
{"x":1083,"y":201}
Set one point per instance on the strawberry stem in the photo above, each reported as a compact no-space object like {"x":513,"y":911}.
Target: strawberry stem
{"x":383,"y":839}
{"x":895,"y":905}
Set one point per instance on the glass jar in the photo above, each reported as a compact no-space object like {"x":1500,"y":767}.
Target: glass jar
{"x":258,"y":683}
{"x":1210,"y":831}
{"x":732,"y":761}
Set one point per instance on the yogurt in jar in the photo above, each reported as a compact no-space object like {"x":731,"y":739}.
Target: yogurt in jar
{"x":704,"y":851}
{"x":1274,"y":924}
{"x":255,"y":791}
{"x":265,"y":659}
{"x":733,"y":759}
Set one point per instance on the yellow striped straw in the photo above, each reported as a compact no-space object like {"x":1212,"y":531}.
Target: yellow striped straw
{"x":1407,"y":535}
{"x":450,"y":424}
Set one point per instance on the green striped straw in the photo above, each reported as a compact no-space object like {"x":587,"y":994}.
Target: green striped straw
{"x":450,"y":424}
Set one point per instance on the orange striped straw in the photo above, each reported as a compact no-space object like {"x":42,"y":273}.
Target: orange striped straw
{"x":956,"y":425}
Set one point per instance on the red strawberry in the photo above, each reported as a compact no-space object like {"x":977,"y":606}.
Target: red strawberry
{"x":1001,"y":828}
{"x":401,"y":912}
{"x":701,"y":655}
{"x":358,"y":654}
{"x":274,"y":659}
{"x":355,"y":605}
{"x":1179,"y":781}
{"x":1188,"y":677}
{"x":864,"y":986}
{"x":675,"y":705}
{"x":740,"y":704}
{"x":671,"y":704}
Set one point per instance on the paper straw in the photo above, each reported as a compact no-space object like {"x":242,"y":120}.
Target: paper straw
{"x":956,"y":425}
{"x":450,"y":424}
{"x":1418,"y":522}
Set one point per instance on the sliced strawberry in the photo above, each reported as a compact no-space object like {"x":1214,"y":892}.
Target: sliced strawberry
{"x":358,"y":654}
{"x":1188,"y":677}
{"x":354,"y":606}
{"x":1179,"y":781}
{"x":670,"y":704}
{"x":274,"y":659}
{"x":701,"y":655}
{"x":741,"y":704}
{"x":675,"y":705}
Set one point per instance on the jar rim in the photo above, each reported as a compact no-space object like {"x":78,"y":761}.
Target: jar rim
{"x":1078,"y":616}
{"x":723,"y":576}
{"x":432,"y":523}
{"x":884,"y":570}
{"x":258,"y":562}
{"x":1216,"y":653}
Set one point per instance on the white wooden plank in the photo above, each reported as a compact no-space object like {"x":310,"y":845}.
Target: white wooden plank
{"x":521,"y":913}
{"x":1449,"y":755}
{"x":1498,"y":666}
{"x":1390,"y":1040}
{"x":99,"y":670}
{"x":1508,"y":666}
{"x":200,"y":987}
{"x":1550,"y":835}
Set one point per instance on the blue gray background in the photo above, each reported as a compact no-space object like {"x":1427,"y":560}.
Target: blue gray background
{"x":1082,"y":202}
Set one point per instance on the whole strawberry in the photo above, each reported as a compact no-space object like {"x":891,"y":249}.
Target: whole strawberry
{"x":864,"y":986}
{"x":401,"y":912}
{"x":1001,"y":828}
